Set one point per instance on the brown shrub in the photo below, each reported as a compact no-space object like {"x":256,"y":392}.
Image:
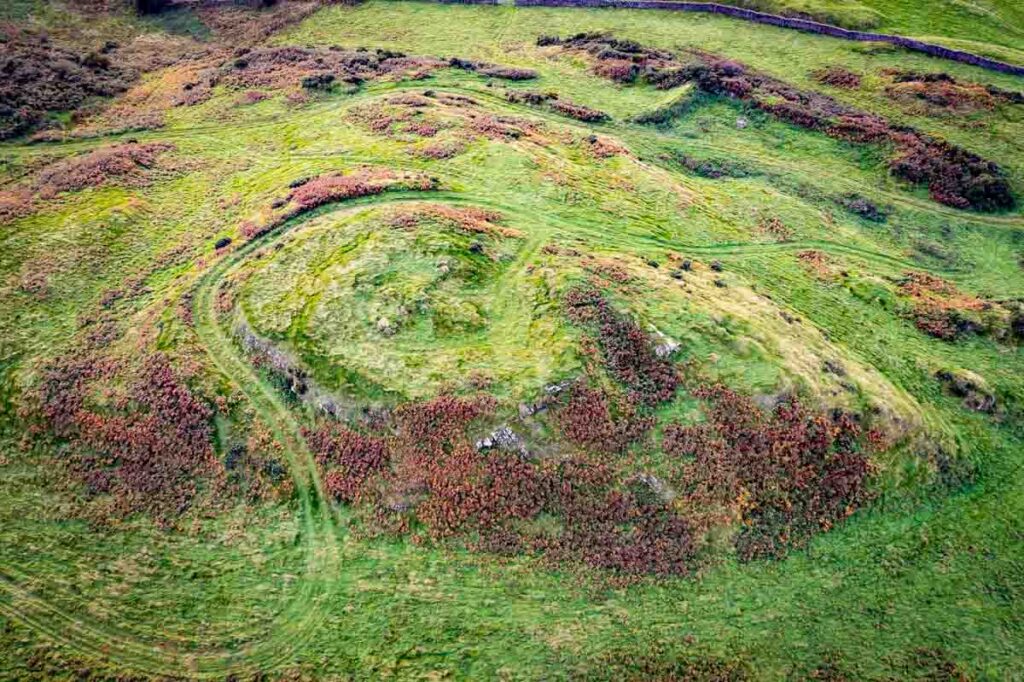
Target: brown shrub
{"x":149,"y":450}
{"x":627,"y":351}
{"x":124,"y":164}
{"x":364,"y":182}
{"x":591,"y":420}
{"x":578,"y":111}
{"x":286,"y":67}
{"x":784,"y":475}
{"x":347,"y":460}
{"x":40,"y":76}
{"x":838,"y":77}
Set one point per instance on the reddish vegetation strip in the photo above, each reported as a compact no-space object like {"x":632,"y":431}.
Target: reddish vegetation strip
{"x":125,"y":164}
{"x":470,"y":219}
{"x":627,"y":351}
{"x":942,"y":92}
{"x":838,"y":77}
{"x":954,"y":176}
{"x":510,"y":73}
{"x":939,"y":309}
{"x":578,"y":111}
{"x":784,"y":475}
{"x":312,"y":193}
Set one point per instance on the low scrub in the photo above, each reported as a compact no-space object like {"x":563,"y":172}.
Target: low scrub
{"x":509,"y":73}
{"x":578,"y":111}
{"x":941,"y":93}
{"x":782,"y":476}
{"x":131,"y":164}
{"x":310,"y":193}
{"x":838,"y":77}
{"x":953,"y":176}
{"x":123,"y":164}
{"x":627,"y":351}
{"x":41,"y":76}
{"x":147,"y":449}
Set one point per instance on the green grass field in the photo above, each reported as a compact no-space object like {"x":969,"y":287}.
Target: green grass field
{"x":388,"y":298}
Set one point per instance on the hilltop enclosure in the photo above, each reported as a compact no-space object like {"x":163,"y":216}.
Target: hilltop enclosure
{"x":412,"y":340}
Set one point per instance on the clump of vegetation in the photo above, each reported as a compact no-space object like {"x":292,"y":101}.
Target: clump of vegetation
{"x":131,"y":164}
{"x":838,"y":77}
{"x":714,"y":168}
{"x":324,"y":189}
{"x":783,"y":476}
{"x":146,"y":450}
{"x":347,"y":460}
{"x":596,"y":422}
{"x":864,"y":207}
{"x":509,"y":73}
{"x":942,"y":93}
{"x":941,"y":310}
{"x":969,"y":387}
{"x":314,"y":68}
{"x":627,"y":351}
{"x":123,"y":164}
{"x":41,"y":76}
{"x":578,"y":111}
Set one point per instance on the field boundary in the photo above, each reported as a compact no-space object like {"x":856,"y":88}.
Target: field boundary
{"x":805,"y":25}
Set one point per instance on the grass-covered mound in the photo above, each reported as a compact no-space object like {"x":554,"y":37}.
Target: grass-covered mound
{"x":392,"y":343}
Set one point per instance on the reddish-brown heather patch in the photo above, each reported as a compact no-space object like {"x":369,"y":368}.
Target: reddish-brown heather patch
{"x":252,"y":97}
{"x":933,"y":93}
{"x":954,"y":176}
{"x":129,"y":164}
{"x":148,"y":448}
{"x":627,"y":351}
{"x":783,"y":475}
{"x":325,"y":189}
{"x":605,"y":147}
{"x":773,"y":227}
{"x":593,"y":421}
{"x":838,"y":77}
{"x":578,"y":111}
{"x":441,"y":150}
{"x":939,"y":309}
{"x":347,"y":459}
{"x":467,"y":218}
{"x":15,"y":203}
{"x":817,"y":262}
{"x":123,"y":164}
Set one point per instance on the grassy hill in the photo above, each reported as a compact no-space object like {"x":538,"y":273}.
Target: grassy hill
{"x":406,"y":340}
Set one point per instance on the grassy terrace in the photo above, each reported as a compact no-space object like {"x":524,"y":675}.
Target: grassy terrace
{"x":403,"y":293}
